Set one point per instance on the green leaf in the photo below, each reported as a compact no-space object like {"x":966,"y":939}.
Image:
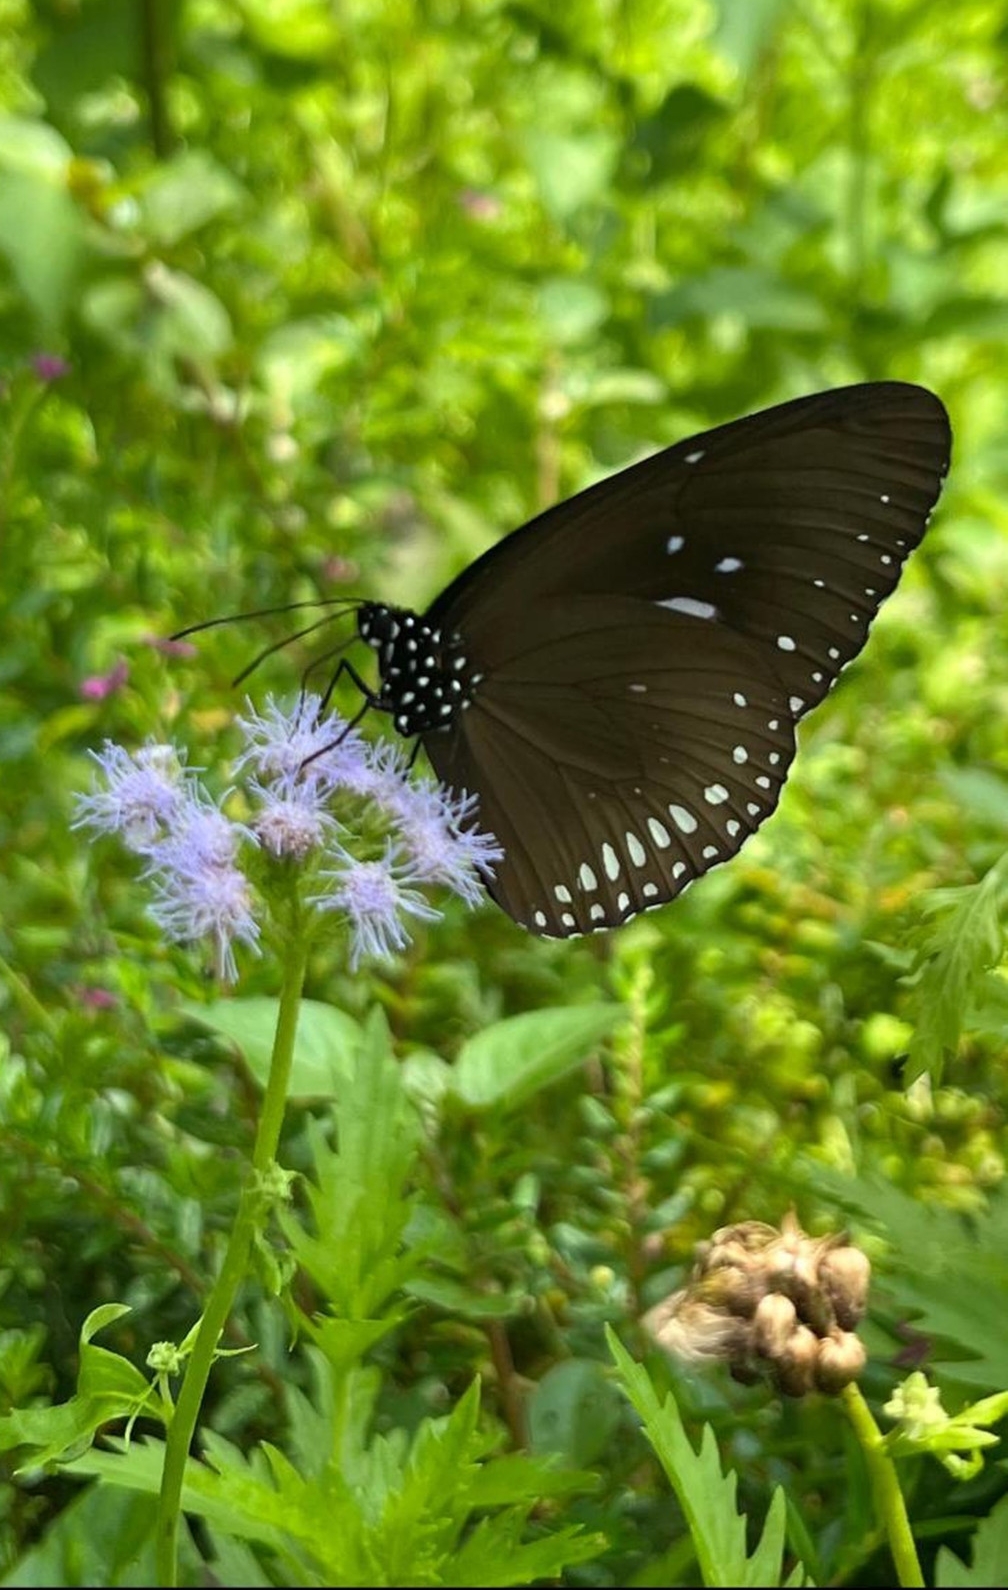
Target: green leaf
{"x":185,"y":193}
{"x":574,"y":1411}
{"x":102,"y":1537}
{"x":327,"y":1040}
{"x":507,"y":1063}
{"x":571,"y":170}
{"x":360,"y":1208}
{"x":41,"y":229}
{"x":706,"y":1495}
{"x":108,"y":1387}
{"x":989,"y":1564}
{"x":963,"y":943}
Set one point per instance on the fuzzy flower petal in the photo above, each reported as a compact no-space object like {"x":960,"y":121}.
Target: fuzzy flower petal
{"x":376,"y":898}
{"x":214,"y":903}
{"x":290,"y":744}
{"x":291,"y":820}
{"x":438,"y":833}
{"x":138,"y":797}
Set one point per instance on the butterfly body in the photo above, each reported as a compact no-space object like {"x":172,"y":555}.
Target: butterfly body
{"x":619,"y":680}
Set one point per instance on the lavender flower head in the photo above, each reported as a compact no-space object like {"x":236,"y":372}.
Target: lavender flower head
{"x":362,"y":867}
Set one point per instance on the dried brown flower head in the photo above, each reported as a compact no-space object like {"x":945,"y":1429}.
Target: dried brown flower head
{"x":771,"y":1300}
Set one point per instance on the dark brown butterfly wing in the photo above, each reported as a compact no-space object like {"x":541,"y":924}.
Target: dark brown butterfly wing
{"x":647,"y":646}
{"x":616,"y":760}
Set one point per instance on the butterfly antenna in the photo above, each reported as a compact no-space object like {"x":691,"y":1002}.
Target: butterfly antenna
{"x":288,"y":640}
{"x":348,"y":603}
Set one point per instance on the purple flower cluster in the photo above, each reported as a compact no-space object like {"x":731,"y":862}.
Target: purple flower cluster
{"x":301,"y":770}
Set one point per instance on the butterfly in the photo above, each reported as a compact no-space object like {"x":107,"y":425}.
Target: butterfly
{"x":619,"y":681}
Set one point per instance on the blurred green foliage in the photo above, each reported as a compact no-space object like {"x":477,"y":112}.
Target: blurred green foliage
{"x":343,"y":294}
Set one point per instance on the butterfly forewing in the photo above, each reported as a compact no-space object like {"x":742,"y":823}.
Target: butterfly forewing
{"x":643,"y":650}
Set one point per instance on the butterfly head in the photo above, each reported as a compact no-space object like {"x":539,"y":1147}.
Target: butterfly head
{"x":426,"y":676}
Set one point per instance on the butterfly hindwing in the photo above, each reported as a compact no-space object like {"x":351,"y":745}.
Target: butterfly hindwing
{"x":617,"y":759}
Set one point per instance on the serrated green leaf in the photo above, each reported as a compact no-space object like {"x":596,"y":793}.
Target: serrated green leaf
{"x":508,"y":1062}
{"x":705,"y":1493}
{"x":963,"y":943}
{"x":989,"y":1565}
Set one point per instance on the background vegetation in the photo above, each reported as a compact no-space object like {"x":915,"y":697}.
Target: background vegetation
{"x":298,"y":299}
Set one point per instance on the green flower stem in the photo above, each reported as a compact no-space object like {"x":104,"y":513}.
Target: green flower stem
{"x":889,"y":1503}
{"x":232,"y":1272}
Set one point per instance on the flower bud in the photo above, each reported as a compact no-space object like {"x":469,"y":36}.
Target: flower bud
{"x":775,"y":1322}
{"x":796,"y":1366}
{"x":840,"y":1359}
{"x":844,"y":1275}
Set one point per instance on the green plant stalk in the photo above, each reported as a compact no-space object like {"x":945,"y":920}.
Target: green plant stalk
{"x":232,"y":1271}
{"x":889,"y":1503}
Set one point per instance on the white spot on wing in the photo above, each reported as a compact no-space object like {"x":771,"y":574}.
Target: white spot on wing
{"x":610,"y":861}
{"x":678,"y":869}
{"x":684,"y":820}
{"x":562,"y":893}
{"x":650,"y":890}
{"x":739,"y":699}
{"x":597,"y":912}
{"x":733,"y":827}
{"x":785,"y":643}
{"x":659,"y":833}
{"x":691,"y":606}
{"x":729,"y":566}
{"x":795,"y":703}
{"x":587,"y":878}
{"x":622,"y":901}
{"x":740,"y":755}
{"x":714,"y":794}
{"x":568,"y":919}
{"x":674,"y":544}
{"x":638,"y":855}
{"x":539,"y":918}
{"x":694,"y":458}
